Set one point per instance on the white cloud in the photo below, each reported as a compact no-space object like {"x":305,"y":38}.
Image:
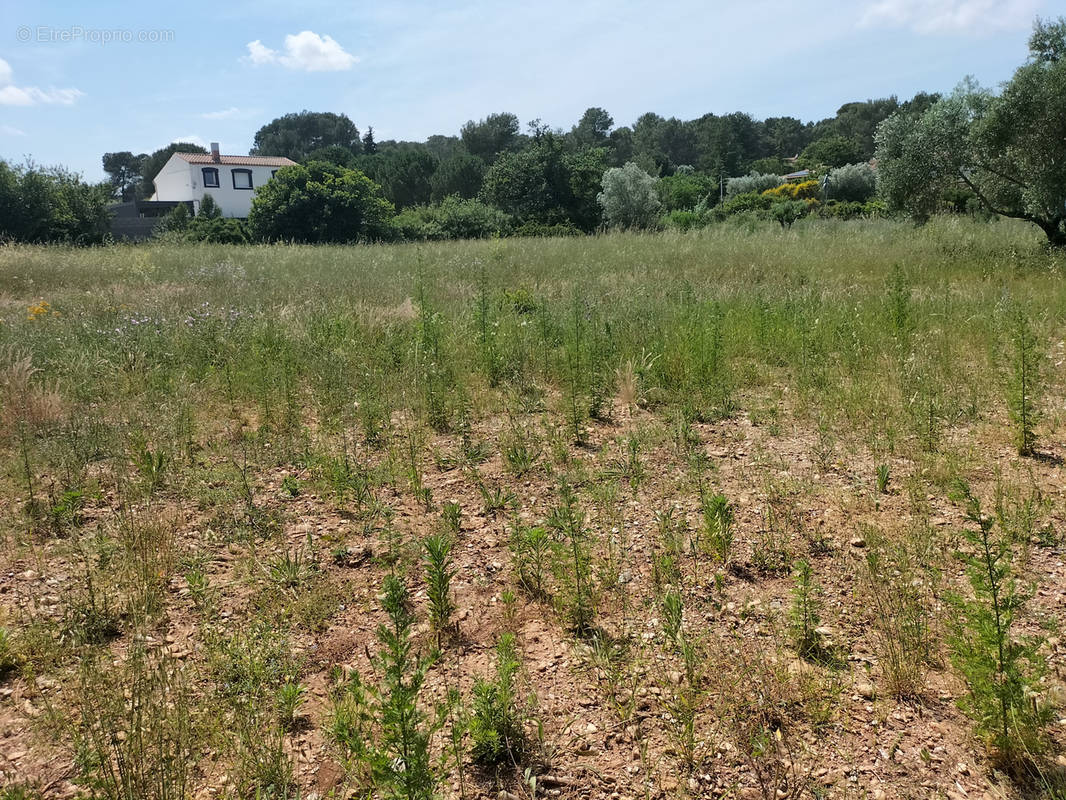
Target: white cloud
{"x":11,"y":95}
{"x":305,"y":51}
{"x":10,"y":130}
{"x":952,"y":16}
{"x":227,"y":113}
{"x":31,"y":96}
{"x":259,"y":53}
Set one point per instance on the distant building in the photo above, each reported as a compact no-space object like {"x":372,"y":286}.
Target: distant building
{"x":231,"y":180}
{"x":803,"y":174}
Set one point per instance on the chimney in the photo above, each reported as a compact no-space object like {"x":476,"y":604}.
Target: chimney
{"x":214,"y":152}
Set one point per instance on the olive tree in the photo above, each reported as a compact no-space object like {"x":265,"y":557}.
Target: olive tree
{"x":853,"y":182}
{"x":1009,"y":149}
{"x":629,"y":198}
{"x":754,"y":182}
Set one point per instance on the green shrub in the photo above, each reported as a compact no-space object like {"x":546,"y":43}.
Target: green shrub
{"x":440,"y":569}
{"x":686,"y":220}
{"x":320,"y":202}
{"x":497,"y":723}
{"x":835,"y":209}
{"x":453,"y":218}
{"x":804,"y":615}
{"x":1002,"y":670}
{"x":748,"y":201}
{"x":382,"y":731}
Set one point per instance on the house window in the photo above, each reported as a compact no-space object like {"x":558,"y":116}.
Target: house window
{"x":210,"y":178}
{"x":242,"y":179}
{"x":273,"y":172}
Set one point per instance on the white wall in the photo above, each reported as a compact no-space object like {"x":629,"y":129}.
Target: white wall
{"x":180,"y":180}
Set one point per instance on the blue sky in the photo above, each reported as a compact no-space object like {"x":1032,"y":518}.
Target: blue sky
{"x":78,"y":79}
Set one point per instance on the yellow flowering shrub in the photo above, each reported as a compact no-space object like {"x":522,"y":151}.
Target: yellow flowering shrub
{"x":807,"y":190}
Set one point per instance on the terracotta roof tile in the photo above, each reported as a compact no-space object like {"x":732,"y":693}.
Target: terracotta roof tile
{"x":237,"y":161}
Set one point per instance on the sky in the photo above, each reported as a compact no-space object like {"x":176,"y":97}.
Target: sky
{"x":79,"y":79}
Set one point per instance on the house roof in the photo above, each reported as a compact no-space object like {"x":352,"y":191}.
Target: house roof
{"x":237,"y":161}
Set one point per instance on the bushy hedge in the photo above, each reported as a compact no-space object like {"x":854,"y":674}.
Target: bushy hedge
{"x":453,"y":218}
{"x":207,"y":226}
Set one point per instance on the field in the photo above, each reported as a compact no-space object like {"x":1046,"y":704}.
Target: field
{"x":621,"y":516}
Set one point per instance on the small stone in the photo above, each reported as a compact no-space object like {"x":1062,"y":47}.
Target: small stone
{"x":591,"y":728}
{"x":866,"y":690}
{"x":858,"y":541}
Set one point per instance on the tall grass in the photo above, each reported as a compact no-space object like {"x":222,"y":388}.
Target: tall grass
{"x":166,"y":411}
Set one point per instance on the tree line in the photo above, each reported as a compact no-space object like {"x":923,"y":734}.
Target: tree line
{"x":997,"y":153}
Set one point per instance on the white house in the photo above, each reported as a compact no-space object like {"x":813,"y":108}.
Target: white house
{"x":231,"y":180}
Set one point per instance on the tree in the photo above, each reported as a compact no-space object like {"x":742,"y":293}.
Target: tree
{"x":52,"y":204}
{"x":544,"y":185}
{"x":831,"y":151}
{"x":647,"y":147}
{"x":460,"y":175}
{"x":444,"y":147}
{"x":320,"y":202}
{"x":491,"y":137}
{"x":1008,"y":149}
{"x":151,"y":165}
{"x":296,"y":135}
{"x":785,"y":137}
{"x":209,"y":208}
{"x":593,"y":128}
{"x":369,"y":145}
{"x":629,"y":199}
{"x":405,"y":176}
{"x":857,"y":122}
{"x":335,"y":154}
{"x":853,"y":182}
{"x":686,"y":190}
{"x":124,"y":171}
{"x":727,"y":145}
